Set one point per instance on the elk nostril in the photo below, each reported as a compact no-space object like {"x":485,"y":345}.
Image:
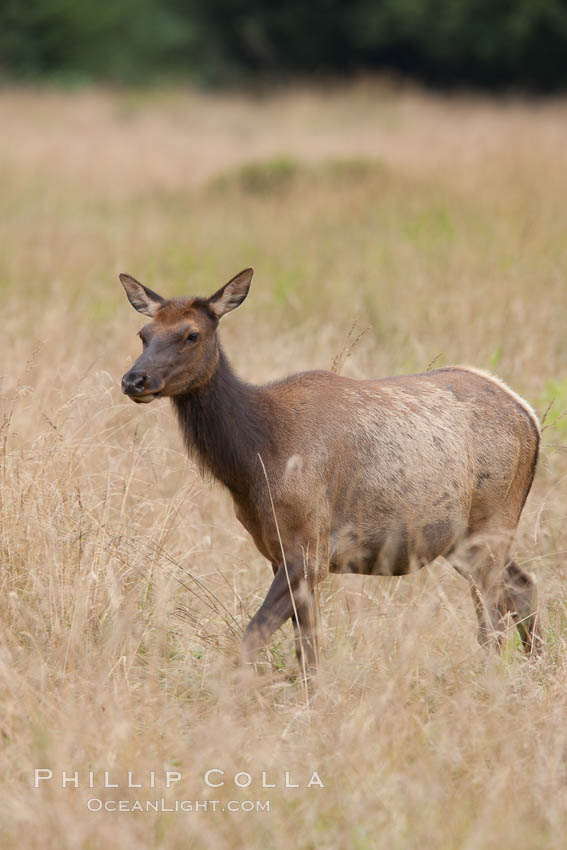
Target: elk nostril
{"x":134,"y":383}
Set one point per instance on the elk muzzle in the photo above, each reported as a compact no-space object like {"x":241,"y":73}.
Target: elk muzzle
{"x":137,"y":385}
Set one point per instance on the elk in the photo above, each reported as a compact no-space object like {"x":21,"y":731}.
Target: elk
{"x":332,"y":474}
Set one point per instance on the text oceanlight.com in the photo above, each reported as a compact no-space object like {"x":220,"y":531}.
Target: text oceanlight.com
{"x":95,"y":804}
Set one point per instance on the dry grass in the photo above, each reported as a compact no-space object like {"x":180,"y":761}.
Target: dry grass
{"x":126,"y":580}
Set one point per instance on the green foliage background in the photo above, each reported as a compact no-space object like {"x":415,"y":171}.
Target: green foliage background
{"x":490,"y":43}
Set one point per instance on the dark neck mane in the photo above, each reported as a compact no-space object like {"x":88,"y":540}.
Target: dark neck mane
{"x":225,"y":425}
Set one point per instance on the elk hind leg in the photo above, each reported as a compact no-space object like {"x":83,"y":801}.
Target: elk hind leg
{"x":518,"y":597}
{"x":480,"y":560}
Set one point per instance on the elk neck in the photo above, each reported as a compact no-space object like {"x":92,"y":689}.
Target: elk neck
{"x":225,"y":424}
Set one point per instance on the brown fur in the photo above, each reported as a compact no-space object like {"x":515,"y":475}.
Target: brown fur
{"x":332,"y":474}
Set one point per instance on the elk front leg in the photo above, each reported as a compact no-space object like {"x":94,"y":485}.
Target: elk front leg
{"x":304,"y":620}
{"x":305,"y":629}
{"x":287,"y":597}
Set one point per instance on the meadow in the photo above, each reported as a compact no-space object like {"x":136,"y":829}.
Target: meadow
{"x":390,"y":230}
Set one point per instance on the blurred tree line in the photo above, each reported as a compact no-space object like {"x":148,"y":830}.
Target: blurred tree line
{"x":493,"y":43}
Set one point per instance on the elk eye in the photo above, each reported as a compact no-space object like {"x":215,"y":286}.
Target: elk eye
{"x":193,"y":336}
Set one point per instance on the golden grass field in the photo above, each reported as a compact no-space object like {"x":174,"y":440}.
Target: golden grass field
{"x":439,"y":224}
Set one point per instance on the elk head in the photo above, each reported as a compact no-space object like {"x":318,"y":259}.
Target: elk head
{"x":181,"y":349}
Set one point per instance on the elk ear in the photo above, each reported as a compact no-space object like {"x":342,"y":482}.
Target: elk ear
{"x":232,"y":294}
{"x":141,"y":298}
